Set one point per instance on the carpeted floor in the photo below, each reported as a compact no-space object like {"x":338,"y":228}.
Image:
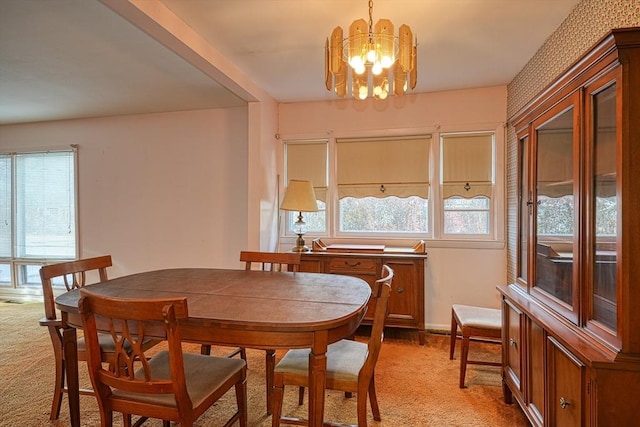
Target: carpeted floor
{"x":417,"y":385}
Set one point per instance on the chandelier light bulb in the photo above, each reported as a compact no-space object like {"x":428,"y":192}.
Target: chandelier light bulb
{"x":363,"y":92}
{"x":376,"y":69}
{"x":356,"y":62}
{"x":387,"y":61}
{"x":372,"y":55}
{"x":360,"y":69}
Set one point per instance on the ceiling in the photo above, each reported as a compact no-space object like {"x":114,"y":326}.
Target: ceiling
{"x":69,"y":59}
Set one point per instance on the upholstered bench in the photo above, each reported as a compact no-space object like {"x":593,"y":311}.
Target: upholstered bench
{"x":474,"y":322}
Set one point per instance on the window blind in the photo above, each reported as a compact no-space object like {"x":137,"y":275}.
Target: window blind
{"x":308,"y":161}
{"x":5,"y":206}
{"x":45,"y":205}
{"x":467,"y":165}
{"x":383,"y":167}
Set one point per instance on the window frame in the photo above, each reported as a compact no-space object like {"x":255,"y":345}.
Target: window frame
{"x":435,"y":237}
{"x":492,"y":225}
{"x":288,"y":218}
{"x":17,"y":265}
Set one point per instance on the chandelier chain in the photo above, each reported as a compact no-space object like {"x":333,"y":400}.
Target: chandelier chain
{"x":370,"y":17}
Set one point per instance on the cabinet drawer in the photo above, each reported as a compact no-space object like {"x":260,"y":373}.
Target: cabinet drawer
{"x":353,"y":265}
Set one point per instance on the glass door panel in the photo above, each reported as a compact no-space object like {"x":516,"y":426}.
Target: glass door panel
{"x":555,"y":211}
{"x":604,"y":209}
{"x":524,"y":208}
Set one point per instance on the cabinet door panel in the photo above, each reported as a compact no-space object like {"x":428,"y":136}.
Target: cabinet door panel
{"x":403,"y":303}
{"x":512,"y":348}
{"x":536,"y":382}
{"x":566,"y":383}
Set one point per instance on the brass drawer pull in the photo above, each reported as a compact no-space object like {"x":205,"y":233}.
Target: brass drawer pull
{"x":352,"y":265}
{"x":564,"y":403}
{"x":400,"y":290}
{"x":513,"y":342}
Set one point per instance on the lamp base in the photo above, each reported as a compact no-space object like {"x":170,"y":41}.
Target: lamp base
{"x":300,"y":245}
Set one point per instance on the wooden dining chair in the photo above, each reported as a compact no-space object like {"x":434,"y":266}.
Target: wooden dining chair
{"x":270,"y":261}
{"x":350,"y":364}
{"x":170,"y":385}
{"x":74,"y":275}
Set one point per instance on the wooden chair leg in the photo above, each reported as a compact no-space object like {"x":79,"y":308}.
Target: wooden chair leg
{"x":277,"y":396}
{"x":300,"y":396}
{"x":270,"y":362}
{"x":463,"y":358}
{"x":241,"y":402}
{"x":361,"y":406}
{"x":373,"y":399}
{"x":57,"y":390}
{"x":205,"y":349}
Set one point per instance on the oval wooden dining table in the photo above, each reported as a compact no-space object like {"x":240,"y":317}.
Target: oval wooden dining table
{"x":252,"y":309}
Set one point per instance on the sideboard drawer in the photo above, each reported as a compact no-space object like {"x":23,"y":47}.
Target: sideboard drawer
{"x":353,"y":265}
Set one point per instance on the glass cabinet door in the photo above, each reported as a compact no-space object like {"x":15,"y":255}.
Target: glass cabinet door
{"x":556,"y":254}
{"x":524,"y":209}
{"x":603,"y":207}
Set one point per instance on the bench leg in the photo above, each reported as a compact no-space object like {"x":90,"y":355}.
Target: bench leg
{"x":454,"y":331}
{"x":463,"y":358}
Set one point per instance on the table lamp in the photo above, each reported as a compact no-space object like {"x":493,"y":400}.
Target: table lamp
{"x":299,"y":196}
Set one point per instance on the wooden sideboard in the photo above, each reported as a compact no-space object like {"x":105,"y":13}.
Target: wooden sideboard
{"x":406,"y":305}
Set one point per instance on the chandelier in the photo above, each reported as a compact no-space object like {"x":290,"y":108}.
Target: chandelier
{"x":380,"y":62}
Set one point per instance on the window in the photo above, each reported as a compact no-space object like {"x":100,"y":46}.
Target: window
{"x":38,"y":208}
{"x":383,"y":185}
{"x":307,"y":160}
{"x":467,"y":183}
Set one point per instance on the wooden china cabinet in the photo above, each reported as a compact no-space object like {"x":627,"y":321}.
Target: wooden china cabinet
{"x":571,"y":322}
{"x":406,"y":305}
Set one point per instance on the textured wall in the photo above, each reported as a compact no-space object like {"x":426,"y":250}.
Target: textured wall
{"x":587,"y":23}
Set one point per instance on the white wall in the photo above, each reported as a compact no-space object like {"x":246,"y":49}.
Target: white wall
{"x":459,"y":272}
{"x":194,"y":188}
{"x":156,"y":190}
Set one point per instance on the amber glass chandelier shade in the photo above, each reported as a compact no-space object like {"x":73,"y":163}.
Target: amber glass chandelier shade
{"x":375,"y":60}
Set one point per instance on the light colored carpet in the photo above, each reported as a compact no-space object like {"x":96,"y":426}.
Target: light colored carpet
{"x":417,"y":385}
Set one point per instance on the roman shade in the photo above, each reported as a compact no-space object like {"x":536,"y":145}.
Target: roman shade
{"x":307,"y":161}
{"x":382,"y":167}
{"x":467,"y":165}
